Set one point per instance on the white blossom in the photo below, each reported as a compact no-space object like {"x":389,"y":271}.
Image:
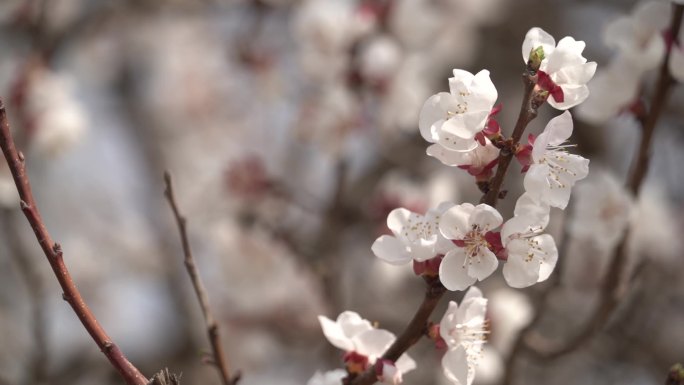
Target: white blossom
{"x":464,"y":331}
{"x":416,"y":237}
{"x":468,"y":226}
{"x":554,"y":171}
{"x":532,"y":255}
{"x":352,"y":333}
{"x":380,"y":58}
{"x":564,"y":64}
{"x":453,"y":118}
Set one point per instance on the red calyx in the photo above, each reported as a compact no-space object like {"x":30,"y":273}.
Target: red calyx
{"x":545,"y":83}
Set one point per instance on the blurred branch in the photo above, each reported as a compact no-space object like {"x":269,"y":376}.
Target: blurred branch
{"x":53,"y":252}
{"x":612,"y":289}
{"x":38,"y":361}
{"x":212,"y":326}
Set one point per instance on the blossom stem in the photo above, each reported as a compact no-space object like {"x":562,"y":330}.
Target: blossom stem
{"x":53,"y":252}
{"x":528,"y":111}
{"x":612,"y":289}
{"x":212,"y":326}
{"x":411,"y":334}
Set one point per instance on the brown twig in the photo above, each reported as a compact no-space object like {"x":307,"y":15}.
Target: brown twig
{"x":219,"y":356}
{"x":611,"y":291}
{"x":528,"y":111}
{"x":53,"y":252}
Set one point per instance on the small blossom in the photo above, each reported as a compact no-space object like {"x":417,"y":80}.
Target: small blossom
{"x":464,"y":330}
{"x":532,"y":255}
{"x":468,"y":227}
{"x":554,"y":171}
{"x":362,"y":343}
{"x":561,"y":66}
{"x":390,"y":373}
{"x":416,"y":237}
{"x":453,"y":118}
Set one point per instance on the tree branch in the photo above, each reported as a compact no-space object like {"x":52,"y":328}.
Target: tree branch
{"x":53,"y":252}
{"x":528,"y":111}
{"x":219,"y":356}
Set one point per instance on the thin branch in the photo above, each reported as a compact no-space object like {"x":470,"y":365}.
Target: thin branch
{"x":611,"y":291}
{"x":528,"y":111}
{"x":53,"y":252}
{"x":212,"y":326}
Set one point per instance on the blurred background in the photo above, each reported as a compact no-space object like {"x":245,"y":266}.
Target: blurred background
{"x":291,"y":130}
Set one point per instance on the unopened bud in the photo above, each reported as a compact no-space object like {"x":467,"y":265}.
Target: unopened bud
{"x":536,"y":57}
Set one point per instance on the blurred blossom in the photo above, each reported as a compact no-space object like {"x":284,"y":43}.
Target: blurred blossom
{"x":379,"y":59}
{"x":602,"y":211}
{"x":655,"y":231}
{"x":510,"y":311}
{"x":59,"y":120}
{"x":333,"y":377}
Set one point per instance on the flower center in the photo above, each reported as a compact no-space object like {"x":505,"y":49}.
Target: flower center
{"x":556,"y":157}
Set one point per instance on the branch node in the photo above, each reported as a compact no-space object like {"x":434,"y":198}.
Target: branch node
{"x":21,"y":157}
{"x":24,"y":206}
{"x":57,"y":249}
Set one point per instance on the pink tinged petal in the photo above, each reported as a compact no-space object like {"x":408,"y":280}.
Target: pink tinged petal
{"x":391,"y":250}
{"x":453,"y":271}
{"x":335,"y":335}
{"x":405,"y":363}
{"x":677,"y":63}
{"x":513,"y":228}
{"x":431,"y":116}
{"x":482,"y":265}
{"x":455,"y":366}
{"x":485,"y":217}
{"x":572,"y":96}
{"x":547,"y":244}
{"x":537,"y":37}
{"x":519,"y":273}
{"x":373,"y":343}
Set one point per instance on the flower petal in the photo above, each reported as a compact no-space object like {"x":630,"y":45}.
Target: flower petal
{"x":537,"y":37}
{"x":485,"y":217}
{"x":483,"y":265}
{"x":455,"y":366}
{"x":455,"y":221}
{"x":352,"y":323}
{"x":391,"y":250}
{"x":453,"y":272}
{"x":334,"y":333}
{"x":373,"y":343}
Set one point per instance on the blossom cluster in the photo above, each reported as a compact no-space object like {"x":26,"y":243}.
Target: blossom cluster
{"x":457,"y":245}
